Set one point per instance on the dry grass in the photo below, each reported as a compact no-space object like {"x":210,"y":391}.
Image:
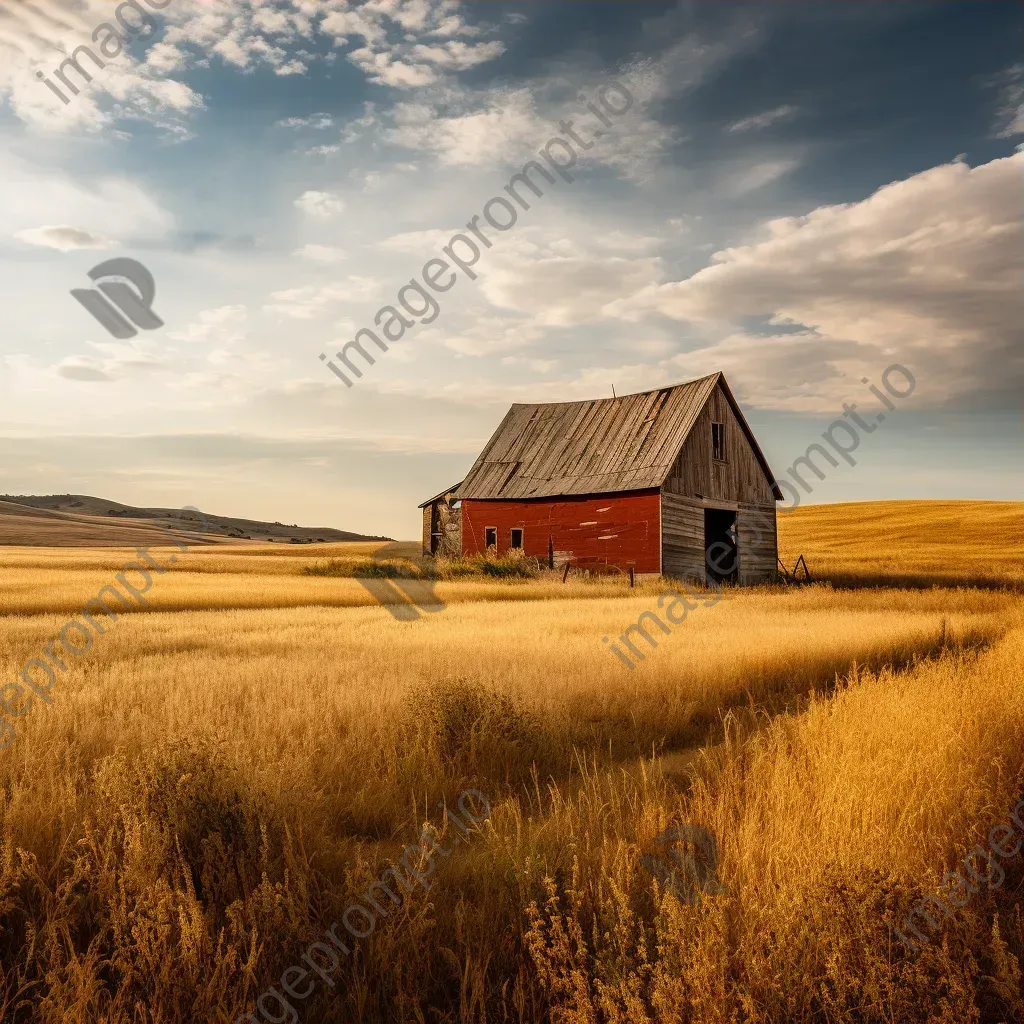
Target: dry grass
{"x":828,"y":823}
{"x":908,"y":543}
{"x":211,"y":788}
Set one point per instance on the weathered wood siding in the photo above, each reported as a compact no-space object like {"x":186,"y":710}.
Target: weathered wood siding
{"x":683,"y":542}
{"x":449,"y":528}
{"x":682,"y":537}
{"x":428,"y":517}
{"x":757,"y":538}
{"x":442,"y":530}
{"x":738,"y":479}
{"x":615,"y":529}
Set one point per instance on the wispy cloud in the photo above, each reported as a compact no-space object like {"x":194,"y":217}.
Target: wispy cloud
{"x":64,"y":238}
{"x":320,"y":204}
{"x":763,"y":120}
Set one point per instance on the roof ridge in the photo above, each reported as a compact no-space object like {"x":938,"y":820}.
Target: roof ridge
{"x":619,"y":398}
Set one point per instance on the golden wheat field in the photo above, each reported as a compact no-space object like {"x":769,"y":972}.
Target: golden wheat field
{"x":914,"y":543}
{"x":207,"y":791}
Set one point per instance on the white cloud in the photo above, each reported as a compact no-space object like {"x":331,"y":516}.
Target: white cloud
{"x":457,"y":56}
{"x":243,"y":34}
{"x":926,"y":272}
{"x":82,"y":368}
{"x":490,"y":334}
{"x":624,"y":241}
{"x":564,"y":290}
{"x":1010,"y":117}
{"x":763,"y":120}
{"x":34,"y":38}
{"x":101,"y":207}
{"x":322,"y":253}
{"x":317,"y":122}
{"x":116,"y":361}
{"x":382,"y":68}
{"x":64,"y":238}
{"x":320,"y":204}
{"x":218,"y":326}
{"x":507,"y":127}
{"x":754,"y":176}
{"x":417,"y":241}
{"x":309,"y":301}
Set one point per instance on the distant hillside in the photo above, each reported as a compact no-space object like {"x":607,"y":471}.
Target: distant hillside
{"x":78,"y":520}
{"x":912,"y":543}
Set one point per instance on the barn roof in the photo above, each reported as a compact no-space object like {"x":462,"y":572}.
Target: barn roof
{"x":598,"y":446}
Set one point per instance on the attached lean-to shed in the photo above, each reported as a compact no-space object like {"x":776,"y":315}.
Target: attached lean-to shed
{"x":669,"y":481}
{"x":442,"y":532}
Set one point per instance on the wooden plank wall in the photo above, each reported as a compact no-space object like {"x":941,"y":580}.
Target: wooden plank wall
{"x":449,"y":522}
{"x":428,"y":514}
{"x":757,"y":537}
{"x":682,"y":537}
{"x":696,"y":475}
{"x":683,"y":552}
{"x":442,"y":519}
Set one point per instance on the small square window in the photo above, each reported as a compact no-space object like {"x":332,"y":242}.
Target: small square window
{"x":516,"y":538}
{"x":490,"y":537}
{"x":718,"y":442}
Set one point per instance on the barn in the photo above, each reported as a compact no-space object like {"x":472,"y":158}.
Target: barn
{"x":668,"y":482}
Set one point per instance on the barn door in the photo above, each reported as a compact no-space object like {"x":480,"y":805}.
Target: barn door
{"x":721,"y":558}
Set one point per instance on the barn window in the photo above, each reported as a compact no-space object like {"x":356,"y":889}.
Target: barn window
{"x":718,"y":442}
{"x":516,"y":538}
{"x":490,"y":537}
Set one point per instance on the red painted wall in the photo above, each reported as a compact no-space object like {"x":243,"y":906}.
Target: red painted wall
{"x":618,"y":529}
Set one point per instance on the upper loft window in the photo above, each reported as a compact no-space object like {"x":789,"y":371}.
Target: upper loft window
{"x":718,"y":442}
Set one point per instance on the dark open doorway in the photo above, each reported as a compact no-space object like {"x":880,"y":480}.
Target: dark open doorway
{"x":720,"y":557}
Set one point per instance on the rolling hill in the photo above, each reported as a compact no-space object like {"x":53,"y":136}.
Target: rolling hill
{"x":78,"y":520}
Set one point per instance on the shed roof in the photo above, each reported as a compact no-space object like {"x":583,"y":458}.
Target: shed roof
{"x":439,"y":497}
{"x":598,"y":446}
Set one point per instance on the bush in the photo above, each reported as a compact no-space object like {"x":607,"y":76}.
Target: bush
{"x":509,"y":566}
{"x":479,"y":733}
{"x":368,"y":570}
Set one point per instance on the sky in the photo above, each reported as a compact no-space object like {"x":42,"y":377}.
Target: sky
{"x":799,"y":195}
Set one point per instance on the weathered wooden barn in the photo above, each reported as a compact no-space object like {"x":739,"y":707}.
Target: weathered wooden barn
{"x":669,"y":481}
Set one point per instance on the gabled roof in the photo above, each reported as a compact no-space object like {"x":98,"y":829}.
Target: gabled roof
{"x":595,"y":447}
{"x":443,"y":494}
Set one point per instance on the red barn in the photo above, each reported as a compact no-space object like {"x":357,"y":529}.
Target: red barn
{"x":669,"y":481}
